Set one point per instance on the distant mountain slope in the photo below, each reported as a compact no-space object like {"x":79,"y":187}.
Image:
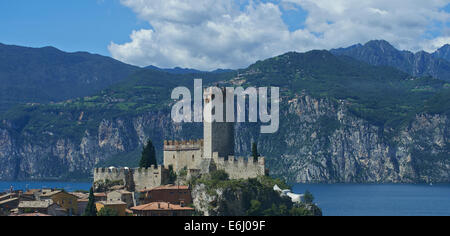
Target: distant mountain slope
{"x":39,"y":75}
{"x":380,"y":52}
{"x":443,"y":52}
{"x":341,"y":120}
{"x":183,"y":71}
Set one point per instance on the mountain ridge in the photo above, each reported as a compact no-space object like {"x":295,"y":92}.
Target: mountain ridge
{"x":381,"y":52}
{"x":47,"y":74}
{"x":342,"y":120}
{"x":443,"y":52}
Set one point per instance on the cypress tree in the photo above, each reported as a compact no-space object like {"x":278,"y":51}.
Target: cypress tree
{"x":91,"y":210}
{"x":148,"y":156}
{"x":255,"y":153}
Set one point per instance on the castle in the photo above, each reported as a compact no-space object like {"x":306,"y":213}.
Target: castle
{"x":214,"y":152}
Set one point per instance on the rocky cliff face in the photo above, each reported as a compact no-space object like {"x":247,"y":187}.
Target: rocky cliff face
{"x":246,"y":198}
{"x":319,"y":140}
{"x":44,"y":157}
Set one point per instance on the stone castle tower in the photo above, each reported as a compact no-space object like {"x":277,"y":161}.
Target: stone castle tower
{"x":218,"y":136}
{"x":214,"y":152}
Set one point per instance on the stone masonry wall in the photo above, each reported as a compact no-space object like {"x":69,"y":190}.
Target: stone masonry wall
{"x":240,"y":168}
{"x":183,"y":154}
{"x":143,"y":178}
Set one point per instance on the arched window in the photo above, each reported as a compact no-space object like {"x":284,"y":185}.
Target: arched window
{"x":174,"y":157}
{"x":193,"y":157}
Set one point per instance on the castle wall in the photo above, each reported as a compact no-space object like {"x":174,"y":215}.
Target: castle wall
{"x":183,"y":154}
{"x":142,"y":178}
{"x":241,"y":168}
{"x":111,"y":174}
{"x":180,"y":159}
{"x":151,"y":177}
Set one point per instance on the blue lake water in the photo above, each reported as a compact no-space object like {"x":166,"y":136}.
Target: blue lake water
{"x":380,"y":199}
{"x":336,"y":199}
{"x":68,"y":186}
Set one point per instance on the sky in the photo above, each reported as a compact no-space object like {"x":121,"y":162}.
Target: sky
{"x":211,"y":34}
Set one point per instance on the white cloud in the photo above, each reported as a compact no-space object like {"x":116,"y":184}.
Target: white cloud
{"x":209,"y":34}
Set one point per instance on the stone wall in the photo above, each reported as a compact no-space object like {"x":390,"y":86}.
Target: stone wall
{"x":111,"y":174}
{"x":240,"y":168}
{"x":218,"y":136}
{"x":142,"y":178}
{"x":183,"y":154}
{"x":151,"y":177}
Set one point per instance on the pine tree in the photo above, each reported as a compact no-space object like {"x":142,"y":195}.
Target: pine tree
{"x":255,"y":153}
{"x":91,"y":210}
{"x":148,"y":156}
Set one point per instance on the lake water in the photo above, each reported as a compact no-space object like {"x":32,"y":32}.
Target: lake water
{"x":68,"y":186}
{"x":337,"y":199}
{"x":380,"y":199}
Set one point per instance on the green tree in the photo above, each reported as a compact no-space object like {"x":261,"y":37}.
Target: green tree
{"x":172,"y":175}
{"x":255,"y":208}
{"x":91,"y":210}
{"x":309,"y":198}
{"x":148,"y":156}
{"x":107,"y":212}
{"x":299,"y":211}
{"x":219,"y":175}
{"x":255,"y":153}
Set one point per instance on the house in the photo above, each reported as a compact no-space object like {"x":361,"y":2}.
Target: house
{"x":121,"y":195}
{"x":30,"y":195}
{"x":43,"y":207}
{"x":66,"y":200}
{"x":8,"y":196}
{"x":119,"y":206}
{"x":7,"y":204}
{"x":170,"y":193}
{"x":80,"y":195}
{"x":162,"y":209}
{"x":99,"y":197}
{"x":81,"y":206}
{"x":82,"y":201}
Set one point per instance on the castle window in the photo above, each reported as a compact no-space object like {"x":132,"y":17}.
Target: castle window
{"x":193,"y":157}
{"x":173,"y":156}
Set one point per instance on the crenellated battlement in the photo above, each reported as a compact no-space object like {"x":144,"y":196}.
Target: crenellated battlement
{"x":143,"y":178}
{"x":240,"y":167}
{"x":186,"y":145}
{"x":125,"y":170}
{"x":240,"y":160}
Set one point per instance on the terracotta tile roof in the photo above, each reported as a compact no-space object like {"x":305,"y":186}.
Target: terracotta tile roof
{"x":167,"y":187}
{"x":100,"y":194}
{"x":128,"y":211}
{"x":33,"y":214}
{"x":8,"y":200}
{"x":31,"y":191}
{"x":161,"y":206}
{"x":50,"y":193}
{"x":8,"y":195}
